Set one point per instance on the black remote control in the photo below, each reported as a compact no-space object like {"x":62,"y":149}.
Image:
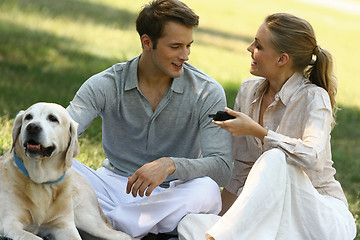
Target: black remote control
{"x":221,"y":116}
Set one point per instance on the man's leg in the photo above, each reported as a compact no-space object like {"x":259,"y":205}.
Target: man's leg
{"x":161,"y":212}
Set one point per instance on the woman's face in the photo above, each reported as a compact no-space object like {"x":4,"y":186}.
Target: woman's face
{"x":264,"y":56}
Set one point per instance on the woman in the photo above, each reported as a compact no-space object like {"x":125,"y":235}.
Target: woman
{"x":281,"y":145}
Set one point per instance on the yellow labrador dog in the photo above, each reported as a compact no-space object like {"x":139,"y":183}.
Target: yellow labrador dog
{"x":40,"y":195}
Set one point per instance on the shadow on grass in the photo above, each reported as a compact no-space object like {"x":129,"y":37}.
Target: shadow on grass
{"x":231,"y":90}
{"x":345,"y":144}
{"x":346,"y":150}
{"x":226,"y":35}
{"x":85,"y":11}
{"x":208,"y":42}
{"x":37,"y":66}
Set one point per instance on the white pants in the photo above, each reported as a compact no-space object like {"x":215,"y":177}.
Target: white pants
{"x":278,"y":202}
{"x":160,"y":212}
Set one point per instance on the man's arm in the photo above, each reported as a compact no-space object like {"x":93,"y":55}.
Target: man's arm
{"x":215,"y":143}
{"x":90,"y":100}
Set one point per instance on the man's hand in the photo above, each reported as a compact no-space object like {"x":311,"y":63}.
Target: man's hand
{"x":149,"y":176}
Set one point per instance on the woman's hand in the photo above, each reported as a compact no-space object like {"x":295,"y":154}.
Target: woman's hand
{"x":242,"y":125}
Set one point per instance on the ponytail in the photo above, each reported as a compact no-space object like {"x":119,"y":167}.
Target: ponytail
{"x":320,"y":73}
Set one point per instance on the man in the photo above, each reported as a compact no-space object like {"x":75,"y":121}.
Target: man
{"x":165,"y":158}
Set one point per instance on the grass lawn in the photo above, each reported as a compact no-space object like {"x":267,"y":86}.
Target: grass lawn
{"x":49,"y":48}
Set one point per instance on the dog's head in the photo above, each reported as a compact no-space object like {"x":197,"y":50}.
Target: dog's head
{"x":45,"y":130}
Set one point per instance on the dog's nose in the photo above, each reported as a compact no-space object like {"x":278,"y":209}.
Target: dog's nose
{"x":33,"y":128}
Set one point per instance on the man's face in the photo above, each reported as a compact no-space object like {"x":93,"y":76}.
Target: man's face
{"x":172,"y":49}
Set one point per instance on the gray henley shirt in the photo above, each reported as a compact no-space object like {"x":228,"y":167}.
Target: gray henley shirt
{"x":180,"y":128}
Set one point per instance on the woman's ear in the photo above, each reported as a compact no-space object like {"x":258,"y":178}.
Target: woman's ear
{"x":283,"y":59}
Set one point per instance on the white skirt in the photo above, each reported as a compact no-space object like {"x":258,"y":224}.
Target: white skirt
{"x":278,"y":202}
{"x":160,"y":212}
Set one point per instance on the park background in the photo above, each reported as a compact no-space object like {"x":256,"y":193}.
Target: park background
{"x":48,"y":48}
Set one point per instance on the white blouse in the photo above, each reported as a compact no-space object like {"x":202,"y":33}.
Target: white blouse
{"x":299,"y":122}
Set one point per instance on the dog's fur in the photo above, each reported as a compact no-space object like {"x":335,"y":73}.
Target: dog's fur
{"x":45,"y":140}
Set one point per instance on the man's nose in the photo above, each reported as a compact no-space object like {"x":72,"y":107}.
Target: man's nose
{"x":184,"y":55}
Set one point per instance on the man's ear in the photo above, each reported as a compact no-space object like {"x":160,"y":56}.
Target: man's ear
{"x":283,"y":59}
{"x":146,"y":42}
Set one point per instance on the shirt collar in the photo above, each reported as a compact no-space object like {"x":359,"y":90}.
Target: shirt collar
{"x":178,"y":84}
{"x":286,"y":91}
{"x":131,"y":77}
{"x":290,"y":87}
{"x":260,"y":87}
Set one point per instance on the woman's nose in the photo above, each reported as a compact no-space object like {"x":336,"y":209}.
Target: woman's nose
{"x":250,"y":48}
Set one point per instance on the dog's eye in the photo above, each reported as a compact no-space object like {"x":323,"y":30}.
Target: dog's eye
{"x":52,"y":118}
{"x":28,"y":117}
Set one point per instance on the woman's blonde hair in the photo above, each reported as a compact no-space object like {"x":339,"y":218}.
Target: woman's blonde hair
{"x":295,"y":36}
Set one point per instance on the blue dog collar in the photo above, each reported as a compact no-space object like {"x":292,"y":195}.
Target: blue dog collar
{"x":22,"y":167}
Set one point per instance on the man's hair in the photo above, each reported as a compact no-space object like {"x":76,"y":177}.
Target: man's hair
{"x":153,"y":16}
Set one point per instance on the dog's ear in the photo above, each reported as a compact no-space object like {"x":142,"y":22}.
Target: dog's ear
{"x":17,"y":128}
{"x":73,"y":148}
